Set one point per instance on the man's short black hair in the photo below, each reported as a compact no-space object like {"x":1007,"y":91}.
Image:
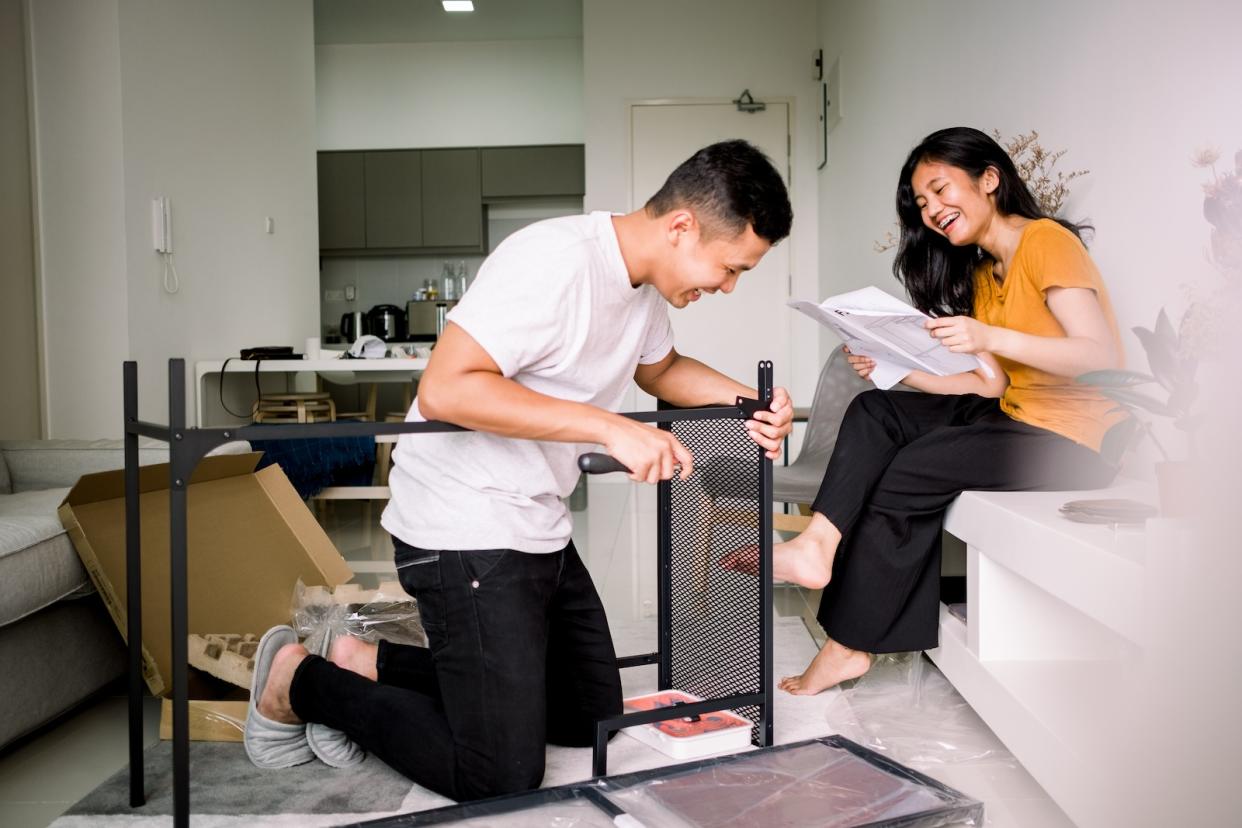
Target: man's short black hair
{"x":728,"y":185}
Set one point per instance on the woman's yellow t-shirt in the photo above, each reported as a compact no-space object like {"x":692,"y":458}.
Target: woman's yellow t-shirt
{"x":1048,"y":256}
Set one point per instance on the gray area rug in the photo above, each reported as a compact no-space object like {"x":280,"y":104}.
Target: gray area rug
{"x":226,"y":790}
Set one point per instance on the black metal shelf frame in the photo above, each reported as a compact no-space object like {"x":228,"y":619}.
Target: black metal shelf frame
{"x":188,"y":446}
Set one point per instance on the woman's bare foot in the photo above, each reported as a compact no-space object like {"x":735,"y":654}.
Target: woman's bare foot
{"x":833,"y":664}
{"x":807,"y":559}
{"x":355,"y":655}
{"x":275,"y":703}
{"x":744,"y":560}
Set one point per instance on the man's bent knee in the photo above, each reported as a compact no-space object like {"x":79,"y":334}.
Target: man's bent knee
{"x":502,"y":775}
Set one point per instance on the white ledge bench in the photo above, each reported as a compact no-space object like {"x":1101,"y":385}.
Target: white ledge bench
{"x":1054,"y":626}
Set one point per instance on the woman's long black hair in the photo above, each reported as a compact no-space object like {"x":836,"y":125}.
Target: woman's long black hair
{"x":939,"y":276}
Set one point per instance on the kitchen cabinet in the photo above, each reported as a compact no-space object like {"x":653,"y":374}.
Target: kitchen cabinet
{"x":430,"y":201}
{"x":452,"y":207}
{"x":394,"y":203}
{"x":342,"y":196}
{"x":515,"y":172}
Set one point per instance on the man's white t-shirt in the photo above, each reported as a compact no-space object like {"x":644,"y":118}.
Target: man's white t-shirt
{"x":554,"y":307}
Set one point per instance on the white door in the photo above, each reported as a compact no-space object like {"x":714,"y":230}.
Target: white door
{"x":730,"y":333}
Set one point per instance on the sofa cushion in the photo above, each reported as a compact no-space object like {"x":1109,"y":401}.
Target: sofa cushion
{"x":6,"y":485}
{"x":52,"y":464}
{"x":38,"y":565}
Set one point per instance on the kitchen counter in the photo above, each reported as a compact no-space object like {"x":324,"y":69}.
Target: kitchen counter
{"x":335,"y":370}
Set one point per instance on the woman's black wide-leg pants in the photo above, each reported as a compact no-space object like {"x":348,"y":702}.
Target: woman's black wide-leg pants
{"x":900,"y":460}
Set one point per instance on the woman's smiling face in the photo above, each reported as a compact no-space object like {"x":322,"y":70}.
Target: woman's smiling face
{"x":952,"y":203}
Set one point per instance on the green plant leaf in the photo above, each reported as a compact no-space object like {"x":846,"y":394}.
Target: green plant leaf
{"x":1114,"y":378}
{"x":1164,"y":330}
{"x":1130,"y":397}
{"x":1161,"y":357}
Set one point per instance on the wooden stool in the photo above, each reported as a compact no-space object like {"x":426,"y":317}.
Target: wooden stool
{"x":305,"y":407}
{"x":383,"y":450}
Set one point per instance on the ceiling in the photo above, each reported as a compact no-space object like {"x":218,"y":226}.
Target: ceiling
{"x":412,"y":21}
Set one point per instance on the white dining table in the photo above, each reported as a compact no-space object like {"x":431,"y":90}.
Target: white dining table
{"x":334,"y":370}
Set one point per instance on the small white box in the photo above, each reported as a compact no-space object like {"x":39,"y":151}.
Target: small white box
{"x":721,"y":731}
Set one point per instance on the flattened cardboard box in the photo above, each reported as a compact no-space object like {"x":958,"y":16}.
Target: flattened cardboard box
{"x":250,"y":538}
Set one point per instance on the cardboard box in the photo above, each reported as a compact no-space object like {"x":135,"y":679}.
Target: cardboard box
{"x":210,"y":721}
{"x":250,"y":538}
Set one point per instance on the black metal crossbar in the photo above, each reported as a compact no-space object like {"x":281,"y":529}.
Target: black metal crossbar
{"x":715,"y":628}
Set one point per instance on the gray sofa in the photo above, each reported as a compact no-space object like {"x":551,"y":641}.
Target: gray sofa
{"x":57,"y":643}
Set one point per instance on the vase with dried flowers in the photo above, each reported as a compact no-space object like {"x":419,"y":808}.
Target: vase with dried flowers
{"x":1035,"y":166}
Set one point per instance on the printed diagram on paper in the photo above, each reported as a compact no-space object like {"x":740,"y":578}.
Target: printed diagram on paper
{"x":873,"y":323}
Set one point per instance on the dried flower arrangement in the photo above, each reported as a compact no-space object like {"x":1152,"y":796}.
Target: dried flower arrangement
{"x":1207,"y":316}
{"x":1035,"y":166}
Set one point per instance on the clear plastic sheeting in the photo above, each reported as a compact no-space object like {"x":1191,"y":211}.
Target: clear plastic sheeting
{"x":907,"y":710}
{"x":810,"y":786}
{"x":822,"y":783}
{"x":387,"y":613}
{"x":571,"y":813}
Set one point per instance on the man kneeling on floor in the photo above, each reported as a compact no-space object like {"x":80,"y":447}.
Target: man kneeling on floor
{"x":535,"y":359}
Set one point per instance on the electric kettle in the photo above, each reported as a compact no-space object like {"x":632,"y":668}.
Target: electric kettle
{"x":353,"y":325}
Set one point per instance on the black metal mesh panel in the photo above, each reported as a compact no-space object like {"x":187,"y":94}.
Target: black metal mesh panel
{"x":714,"y":614}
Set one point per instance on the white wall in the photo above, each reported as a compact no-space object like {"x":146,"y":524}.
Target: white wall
{"x":211,"y":105}
{"x":649,"y":49}
{"x":445,"y":94}
{"x":19,"y":374}
{"x":1129,"y":89}
{"x":76,"y":83}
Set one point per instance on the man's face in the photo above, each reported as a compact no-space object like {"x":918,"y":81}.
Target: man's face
{"x":695,"y":267}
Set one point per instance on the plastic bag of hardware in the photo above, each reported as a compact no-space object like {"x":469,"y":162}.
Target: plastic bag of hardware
{"x":386,"y":613}
{"x":904,"y":708}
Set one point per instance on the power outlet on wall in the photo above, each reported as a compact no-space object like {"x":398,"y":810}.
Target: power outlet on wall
{"x":350,"y":293}
{"x":334,"y":296}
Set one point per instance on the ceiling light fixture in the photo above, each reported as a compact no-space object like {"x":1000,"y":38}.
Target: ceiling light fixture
{"x":457,"y":5}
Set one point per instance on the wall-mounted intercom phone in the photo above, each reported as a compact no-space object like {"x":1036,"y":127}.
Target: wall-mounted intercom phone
{"x":161,"y":224}
{"x":161,"y":238}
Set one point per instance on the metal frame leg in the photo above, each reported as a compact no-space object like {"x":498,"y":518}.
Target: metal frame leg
{"x":178,"y":481}
{"x":133,"y":585}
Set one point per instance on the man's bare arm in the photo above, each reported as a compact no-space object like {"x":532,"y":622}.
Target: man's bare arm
{"x":684,"y":381}
{"x":464,"y":385}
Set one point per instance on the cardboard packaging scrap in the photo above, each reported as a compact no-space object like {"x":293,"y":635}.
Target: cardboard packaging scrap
{"x":249,"y":539}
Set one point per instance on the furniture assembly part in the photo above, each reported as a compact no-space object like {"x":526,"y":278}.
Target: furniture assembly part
{"x":738,"y":485}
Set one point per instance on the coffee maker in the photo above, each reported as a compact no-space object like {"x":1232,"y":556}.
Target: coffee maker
{"x":387,"y":322}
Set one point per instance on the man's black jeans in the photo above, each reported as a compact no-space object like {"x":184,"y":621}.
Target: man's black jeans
{"x":520,"y":656}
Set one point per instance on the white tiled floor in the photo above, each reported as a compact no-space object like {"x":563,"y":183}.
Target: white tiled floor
{"x":615,"y":536}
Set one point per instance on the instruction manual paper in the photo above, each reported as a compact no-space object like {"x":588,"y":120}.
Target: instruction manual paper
{"x":875,"y":324}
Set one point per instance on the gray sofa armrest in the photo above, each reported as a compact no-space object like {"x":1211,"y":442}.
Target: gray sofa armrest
{"x":56,"y":464}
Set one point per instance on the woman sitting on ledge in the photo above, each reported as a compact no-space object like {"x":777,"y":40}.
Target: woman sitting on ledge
{"x":1014,"y":286}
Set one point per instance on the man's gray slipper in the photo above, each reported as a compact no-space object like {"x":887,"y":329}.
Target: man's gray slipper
{"x":271,"y":744}
{"x":332,"y":746}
